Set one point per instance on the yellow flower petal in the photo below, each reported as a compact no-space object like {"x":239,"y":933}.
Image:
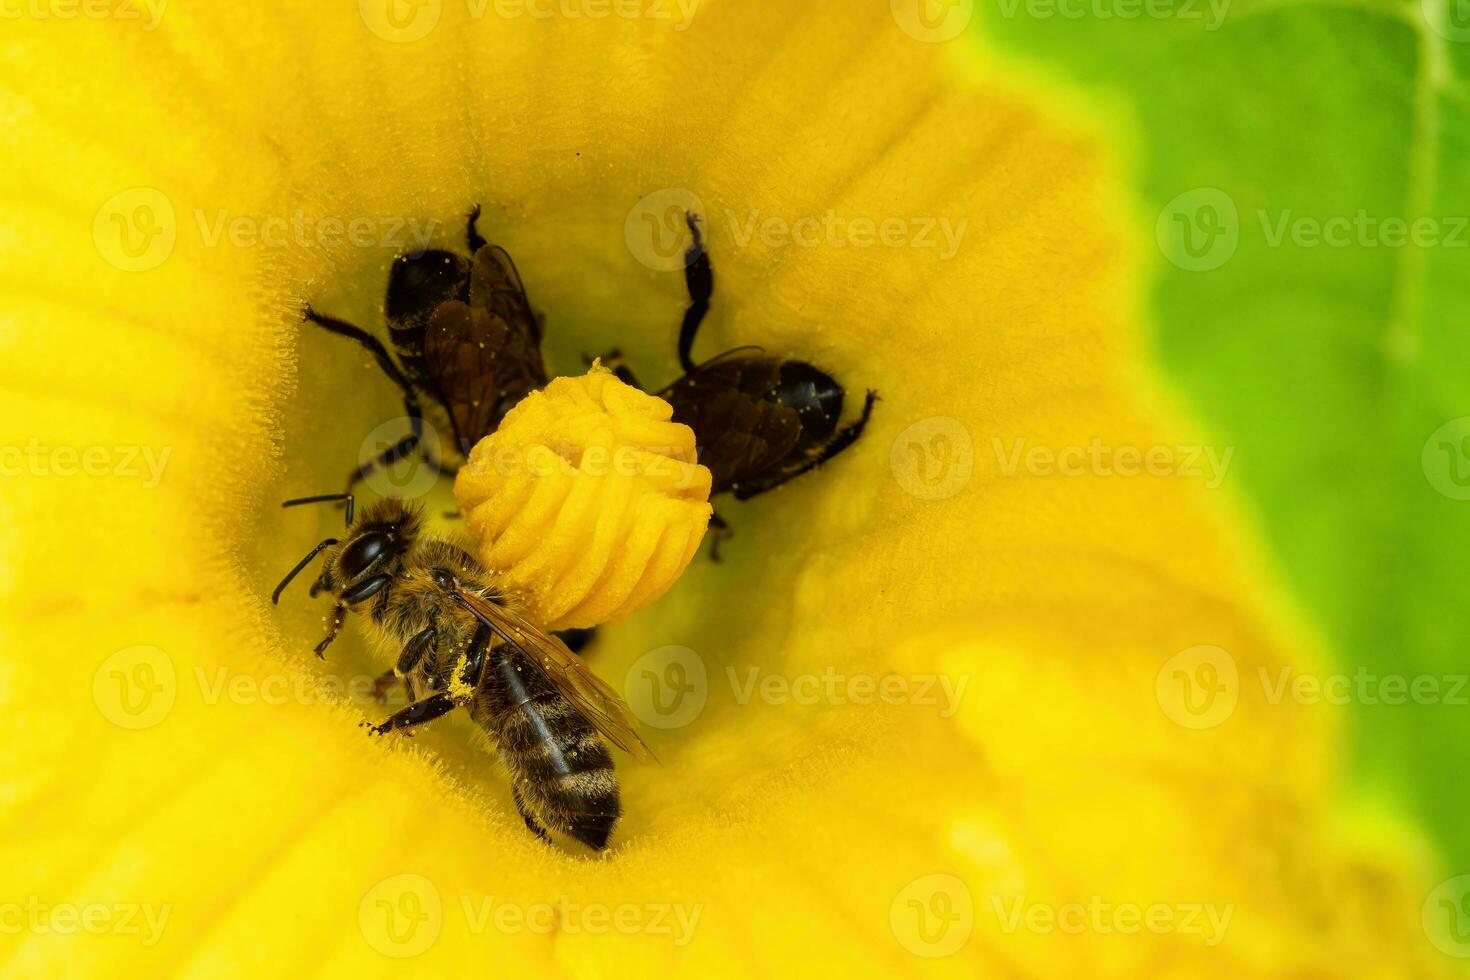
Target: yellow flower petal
{"x":175,"y":748}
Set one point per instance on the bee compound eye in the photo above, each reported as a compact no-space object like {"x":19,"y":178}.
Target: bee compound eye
{"x":362,"y":554}
{"x":814,"y":394}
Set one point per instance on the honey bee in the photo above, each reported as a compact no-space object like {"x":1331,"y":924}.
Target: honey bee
{"x":759,"y":419}
{"x":466,"y":338}
{"x":460,"y":641}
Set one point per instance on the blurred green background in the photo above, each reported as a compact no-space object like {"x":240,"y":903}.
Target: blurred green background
{"x":1332,"y":365}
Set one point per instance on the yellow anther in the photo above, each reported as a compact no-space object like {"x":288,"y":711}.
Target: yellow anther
{"x":587,"y":499}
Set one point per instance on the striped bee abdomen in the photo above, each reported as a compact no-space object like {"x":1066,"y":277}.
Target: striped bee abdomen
{"x":560,"y":768}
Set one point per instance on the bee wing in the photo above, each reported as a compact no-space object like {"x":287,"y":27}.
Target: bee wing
{"x":463,"y":353}
{"x":740,"y":434}
{"x":588,"y":693}
{"x":495,"y":285}
{"x":737,"y":355}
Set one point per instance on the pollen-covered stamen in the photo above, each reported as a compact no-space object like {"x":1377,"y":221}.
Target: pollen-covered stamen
{"x":587,"y":500}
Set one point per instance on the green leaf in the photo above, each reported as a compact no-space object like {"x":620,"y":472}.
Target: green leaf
{"x":1330,"y":366}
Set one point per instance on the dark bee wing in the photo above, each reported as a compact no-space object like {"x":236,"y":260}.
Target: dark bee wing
{"x":740,"y":433}
{"x":495,"y":285}
{"x":588,"y":693}
{"x":463,"y":352}
{"x":485,"y":356}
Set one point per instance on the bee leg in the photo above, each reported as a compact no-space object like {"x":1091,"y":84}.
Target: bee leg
{"x":531,"y":824}
{"x":719,"y":531}
{"x":411,"y":406}
{"x":372,"y":344}
{"x":413,"y":653}
{"x":401,"y":449}
{"x":699,"y":279}
{"x":431,"y":707}
{"x":386,"y":682}
{"x":844,"y":438}
{"x":414,"y":650}
{"x":472,"y":234}
{"x":339,"y":614}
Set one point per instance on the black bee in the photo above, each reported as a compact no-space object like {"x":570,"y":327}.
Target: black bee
{"x":466,"y":339}
{"x":461,"y":641}
{"x":759,"y":419}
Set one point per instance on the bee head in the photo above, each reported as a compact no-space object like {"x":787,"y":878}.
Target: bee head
{"x":370,"y":557}
{"x":816,"y":396}
{"x":366,"y":553}
{"x":420,"y":281}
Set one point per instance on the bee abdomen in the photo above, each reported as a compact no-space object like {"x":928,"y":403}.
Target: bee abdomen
{"x":559,"y":763}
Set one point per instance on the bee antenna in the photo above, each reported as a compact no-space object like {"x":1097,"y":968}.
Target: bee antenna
{"x":325,"y":498}
{"x":276,"y":595}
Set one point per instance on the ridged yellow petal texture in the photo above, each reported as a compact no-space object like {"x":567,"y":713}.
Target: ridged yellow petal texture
{"x":587,"y":500}
{"x":928,"y":698}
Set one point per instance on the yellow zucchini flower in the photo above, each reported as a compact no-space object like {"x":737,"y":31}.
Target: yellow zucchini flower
{"x":942,"y":708}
